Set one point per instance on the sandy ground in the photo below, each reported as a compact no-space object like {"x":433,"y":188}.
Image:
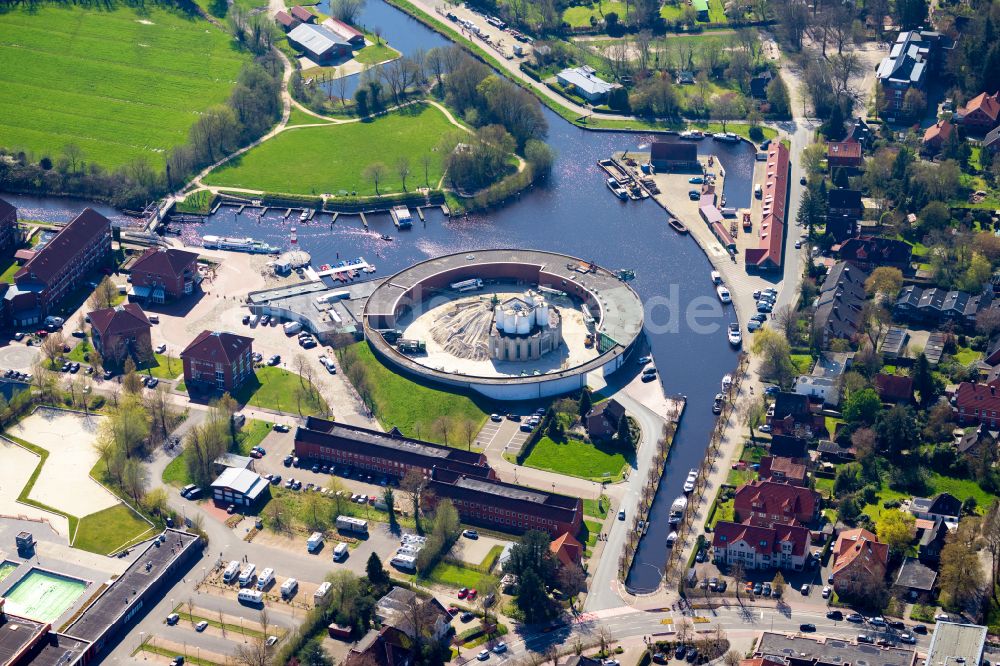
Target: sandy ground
{"x":18,"y":356}
{"x":18,"y":465}
{"x":570,"y":353}
{"x":64,"y":482}
{"x":474,"y":551}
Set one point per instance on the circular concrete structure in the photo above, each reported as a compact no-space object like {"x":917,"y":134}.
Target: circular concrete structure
{"x":605,"y":304}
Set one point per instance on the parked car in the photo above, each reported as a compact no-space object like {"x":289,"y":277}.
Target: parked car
{"x":173,"y":619}
{"x":470,"y":534}
{"x":161,"y":349}
{"x":919,"y":629}
{"x":834,"y":615}
{"x":804,"y":589}
{"x":855,"y":617}
{"x":281,"y":427}
{"x":500,"y":647}
{"x":865,"y":638}
{"x":496,"y":418}
{"x":621,"y":515}
{"x":467,"y":617}
{"x":201,"y":626}
{"x":826,"y":591}
{"x":807,"y":626}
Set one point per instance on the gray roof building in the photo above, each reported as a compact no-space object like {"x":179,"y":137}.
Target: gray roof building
{"x":586,"y":82}
{"x":954,"y":643}
{"x":318,"y":42}
{"x":802,"y":651}
{"x":915,"y":575}
{"x":841,"y":299}
{"x":239,"y":486}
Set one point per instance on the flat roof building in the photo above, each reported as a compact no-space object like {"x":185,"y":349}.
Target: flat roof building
{"x":319,"y":43}
{"x":802,"y":651}
{"x":586,"y":83}
{"x":953,"y":644}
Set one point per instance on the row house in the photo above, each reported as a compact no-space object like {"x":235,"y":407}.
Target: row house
{"x":757,"y":547}
{"x":769,"y":503}
{"x":841,"y":300}
{"x":217,"y":361}
{"x":870,"y":252}
{"x":937,"y":306}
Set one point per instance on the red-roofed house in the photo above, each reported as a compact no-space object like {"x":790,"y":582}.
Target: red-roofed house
{"x":567,"y":549}
{"x":859,"y":561}
{"x":844,"y":154}
{"x":981,"y":113}
{"x":782,"y":470}
{"x":603,"y":419}
{"x":767,"y":254}
{"x":218,"y":361}
{"x":59,"y":267}
{"x":121,"y":331}
{"x":756,"y":547}
{"x":162,"y":275}
{"x":300,"y":13}
{"x":8,"y":226}
{"x":349,"y":34}
{"x":894,"y":388}
{"x":978,"y":403}
{"x":770,"y":503}
{"x":286,"y":20}
{"x":937,"y":134}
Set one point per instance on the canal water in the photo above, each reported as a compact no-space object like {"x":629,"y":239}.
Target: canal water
{"x":575,"y":214}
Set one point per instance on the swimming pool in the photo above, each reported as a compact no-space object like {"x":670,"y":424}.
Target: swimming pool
{"x":43,"y":595}
{"x":6,"y":567}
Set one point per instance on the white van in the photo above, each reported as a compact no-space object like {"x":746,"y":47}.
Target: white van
{"x":404,"y":562}
{"x":231,"y":572}
{"x":288,"y":588}
{"x":247,"y":574}
{"x":340,"y":552}
{"x":292,"y":327}
{"x":265,"y":578}
{"x":251,"y":596}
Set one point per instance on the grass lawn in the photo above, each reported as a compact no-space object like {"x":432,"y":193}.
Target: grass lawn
{"x":281,"y":390}
{"x":597,"y":508}
{"x":200,"y":202}
{"x":376,"y":53}
{"x":163,"y":367}
{"x":885,"y":494}
{"x":724,"y":511}
{"x":589,"y":532}
{"x":961,"y":488}
{"x":579,"y":17}
{"x":576,"y":458}
{"x":803,"y":362}
{"x":738,"y":477}
{"x":965,"y":356}
{"x":118,"y":82}
{"x":8,"y":272}
{"x":415,"y":408}
{"x":824,"y":487}
{"x":83,"y":347}
{"x":252,"y":434}
{"x":456,"y":575}
{"x":315,"y":160}
{"x":109,"y":530}
{"x":831,"y":424}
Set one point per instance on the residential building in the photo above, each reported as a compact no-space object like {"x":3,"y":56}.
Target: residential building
{"x":759,"y":84}
{"x":789,"y":446}
{"x":845,"y":202}
{"x":971,"y":441}
{"x":953,"y":643}
{"x":217,"y":361}
{"x":8,"y":227}
{"x":937,"y":135}
{"x":674,"y":156}
{"x":798,"y":650}
{"x":944,"y":506}
{"x":792,"y":414}
{"x":894,"y":388}
{"x":769,"y":504}
{"x":868,"y":252}
{"x":906,"y":67}
{"x":980,"y":114}
{"x":603,"y":418}
{"x":934,"y":349}
{"x":937,"y":306}
{"x":894,"y":343}
{"x":59,"y":268}
{"x":400,"y":606}
{"x":585,"y":82}
{"x":977,"y":404}
{"x":120,"y":332}
{"x":860,"y":132}
{"x":832,"y":451}
{"x":783,"y":470}
{"x":832,"y":365}
{"x":240,"y":487}
{"x":757,"y":547}
{"x":567,"y":549}
{"x":387,"y":646}
{"x":931,"y":535}
{"x":841,"y":300}
{"x":350,"y":34}
{"x":771,"y":232}
{"x":160,"y":274}
{"x":318,"y":43}
{"x":286,"y":20}
{"x":463,"y":477}
{"x":822,"y":389}
{"x":915,"y":578}
{"x":991,"y":141}
{"x":859,"y":561}
{"x":302,"y":14}
{"x":844,"y":154}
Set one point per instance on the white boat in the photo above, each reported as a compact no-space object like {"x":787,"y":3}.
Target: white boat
{"x":617,"y":189}
{"x":723,"y":294}
{"x":735,"y":335}
{"x":401,"y":216}
{"x":727,"y":137}
{"x":677,"y":509}
{"x":690,"y":481}
{"x":304,"y":216}
{"x":692,"y":135}
{"x":237,"y":244}
{"x":671,"y":539}
{"x":727,"y":381}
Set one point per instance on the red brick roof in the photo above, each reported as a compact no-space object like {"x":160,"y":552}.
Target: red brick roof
{"x":785,"y":467}
{"x":567,"y":549}
{"x":347,"y":32}
{"x":987,"y":104}
{"x":938,"y":132}
{"x":119,"y":319}
{"x":894,"y":387}
{"x":168,"y":262}
{"x":772,"y":227}
{"x":862,"y":546}
{"x":77,"y":234}
{"x":759,"y":538}
{"x":217,"y":346}
{"x":970,"y":396}
{"x":285,"y":19}
{"x":774,"y":499}
{"x":302,"y":14}
{"x":844,"y":150}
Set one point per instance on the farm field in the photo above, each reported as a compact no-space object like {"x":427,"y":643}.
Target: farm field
{"x":119,"y":83}
{"x":329,"y":159}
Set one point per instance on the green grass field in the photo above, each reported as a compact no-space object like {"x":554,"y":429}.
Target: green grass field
{"x":415,"y":408}
{"x":200,"y":203}
{"x":281,"y":390}
{"x":315,"y":160}
{"x":109,"y":530}
{"x":163,"y":367}
{"x":376,"y":53}
{"x":456,"y":575}
{"x":576,"y":458}
{"x":118,"y":83}
{"x":597,"y":508}
{"x":252,"y":434}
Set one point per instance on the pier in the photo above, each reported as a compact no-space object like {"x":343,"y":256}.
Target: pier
{"x":364,"y":220}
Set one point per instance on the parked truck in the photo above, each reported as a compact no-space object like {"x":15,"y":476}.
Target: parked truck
{"x":352,"y":524}
{"x":467,"y":285}
{"x":411,"y":346}
{"x":292,"y":327}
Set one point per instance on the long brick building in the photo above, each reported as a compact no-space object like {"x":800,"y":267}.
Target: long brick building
{"x":767,"y":254}
{"x":463,"y":477}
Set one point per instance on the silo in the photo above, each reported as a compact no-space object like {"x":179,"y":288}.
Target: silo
{"x":541,"y":311}
{"x":523,"y":323}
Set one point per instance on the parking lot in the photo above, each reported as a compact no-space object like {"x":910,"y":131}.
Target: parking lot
{"x":501,"y":436}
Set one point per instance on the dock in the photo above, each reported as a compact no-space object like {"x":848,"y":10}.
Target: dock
{"x":334,"y":220}
{"x":420,"y":213}
{"x":287,"y":213}
{"x":337,"y":272}
{"x":239,"y":211}
{"x":216,"y":207}
{"x":364,"y":220}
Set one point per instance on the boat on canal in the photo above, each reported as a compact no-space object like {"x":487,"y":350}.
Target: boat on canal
{"x":677,"y":510}
{"x":689,"y":482}
{"x":671,"y":539}
{"x":617,"y":189}
{"x":724,"y":295}
{"x":726,"y":137}
{"x":232,"y":244}
{"x":692,"y":135}
{"x":401,"y":217}
{"x":677,"y":225}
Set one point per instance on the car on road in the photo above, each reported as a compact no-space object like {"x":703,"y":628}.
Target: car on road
{"x":834,"y":615}
{"x":696,"y":180}
{"x":694,"y":195}
{"x":483,"y":656}
{"x":919,"y":629}
{"x":798,"y":245}
{"x":496,"y":418}
{"x":908,"y":638}
{"x":807,"y":626}
{"x":246,"y":319}
{"x":470,"y":534}
{"x":804,"y":589}
{"x":643,"y":360}
{"x":621,"y":515}
{"x":271,"y":640}
{"x":201,"y":626}
{"x":500,"y":647}
{"x":856,"y":618}
{"x":826,"y":591}
{"x":281,"y":427}
{"x":274,"y":360}
{"x":173,"y":619}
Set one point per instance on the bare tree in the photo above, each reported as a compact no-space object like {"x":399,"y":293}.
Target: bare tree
{"x":52,"y":347}
{"x":468,"y":429}
{"x":104,"y":295}
{"x":375,"y":173}
{"x":786,"y":318}
{"x":425,"y":161}
{"x":403,"y":169}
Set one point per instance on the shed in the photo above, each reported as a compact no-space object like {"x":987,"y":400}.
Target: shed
{"x":674,"y":156}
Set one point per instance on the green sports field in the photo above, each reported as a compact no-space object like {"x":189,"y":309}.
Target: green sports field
{"x":118,"y":83}
{"x":315,"y":160}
